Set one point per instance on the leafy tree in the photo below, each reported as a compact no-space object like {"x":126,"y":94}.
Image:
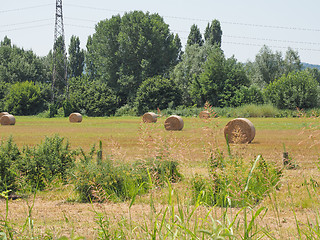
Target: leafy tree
{"x":92,"y":97}
{"x":315,"y":73}
{"x":195,"y":37}
{"x":297,"y":89}
{"x":126,"y":50}
{"x":18,"y":65}
{"x":220,"y":80}
{"x":213,"y":33}
{"x":190,"y":67}
{"x":24,"y":98}
{"x":59,"y":59}
{"x":157,"y":92}
{"x":76,"y":57}
{"x":269,"y":66}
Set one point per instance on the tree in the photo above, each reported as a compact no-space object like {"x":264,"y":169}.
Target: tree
{"x":269,"y":65}
{"x":220,"y":80}
{"x":213,"y":33}
{"x":126,"y":50}
{"x":297,"y":89}
{"x":157,"y":92}
{"x":195,"y":37}
{"x":190,"y":67}
{"x":18,"y":65}
{"x":24,"y":98}
{"x":76,"y":57}
{"x":93,"y":98}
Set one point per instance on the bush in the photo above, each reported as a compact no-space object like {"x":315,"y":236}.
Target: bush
{"x":234,"y":183}
{"x":102,"y":180}
{"x":49,"y":160}
{"x":296,"y":90}
{"x":92,"y":98}
{"x":24,"y":98}
{"x":157,"y":92}
{"x":247,"y":95}
{"x":9,"y":155}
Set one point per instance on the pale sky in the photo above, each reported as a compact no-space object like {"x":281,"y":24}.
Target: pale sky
{"x":247,"y":25}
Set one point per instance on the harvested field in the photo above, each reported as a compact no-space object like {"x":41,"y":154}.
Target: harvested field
{"x":128,"y":139}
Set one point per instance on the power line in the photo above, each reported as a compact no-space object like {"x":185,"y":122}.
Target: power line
{"x":206,"y":20}
{"x":25,"y":8}
{"x":23,"y":28}
{"x":22,"y":23}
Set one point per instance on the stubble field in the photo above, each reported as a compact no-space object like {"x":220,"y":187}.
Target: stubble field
{"x":127,"y":139}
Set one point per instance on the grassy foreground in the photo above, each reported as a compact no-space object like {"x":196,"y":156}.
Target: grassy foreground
{"x":291,"y":212}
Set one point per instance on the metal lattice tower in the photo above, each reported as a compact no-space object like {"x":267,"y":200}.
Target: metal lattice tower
{"x":59,"y":74}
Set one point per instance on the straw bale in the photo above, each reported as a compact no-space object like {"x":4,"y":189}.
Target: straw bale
{"x":204,"y":114}
{"x":3,"y":113}
{"x":7,"y":120}
{"x":75,"y":118}
{"x":149,"y":117}
{"x":174,"y":123}
{"x":240,"y":130}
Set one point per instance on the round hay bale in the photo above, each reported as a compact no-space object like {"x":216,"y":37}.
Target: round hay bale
{"x":239,"y":130}
{"x":204,"y":114}
{"x":75,"y":118}
{"x":174,"y":123}
{"x":3,"y":113}
{"x":8,"y":120}
{"x":149,"y":117}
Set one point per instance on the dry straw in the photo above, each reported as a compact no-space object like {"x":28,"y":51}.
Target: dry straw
{"x":174,"y":123}
{"x":239,"y":130}
{"x":75,"y":118}
{"x":149,"y":117}
{"x":3,"y":113}
{"x":204,"y":114}
{"x":7,"y":119}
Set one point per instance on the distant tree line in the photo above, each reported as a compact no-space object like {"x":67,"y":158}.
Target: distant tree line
{"x":134,"y":62}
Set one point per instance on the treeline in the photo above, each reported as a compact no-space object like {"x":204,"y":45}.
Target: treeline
{"x":133,"y":62}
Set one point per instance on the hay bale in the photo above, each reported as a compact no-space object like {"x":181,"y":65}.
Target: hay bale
{"x":75,"y":118}
{"x":174,"y":123}
{"x":3,"y":113}
{"x":149,"y":117}
{"x":239,"y":130}
{"x":204,"y":114}
{"x":8,"y":120}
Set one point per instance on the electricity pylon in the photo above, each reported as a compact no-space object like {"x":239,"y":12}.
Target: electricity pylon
{"x":59,"y":73}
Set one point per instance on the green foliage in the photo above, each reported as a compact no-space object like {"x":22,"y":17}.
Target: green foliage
{"x":126,"y":110}
{"x":213,"y":33}
{"x":269,"y":66}
{"x":9,"y":155}
{"x":46,"y":162}
{"x":126,"y":50}
{"x":188,"y":70}
{"x":296,"y":90}
{"x":92,"y":98}
{"x":195,"y":36}
{"x":234,"y":183}
{"x":247,"y":95}
{"x":18,"y":65}
{"x":76,"y":58}
{"x":101,"y":179}
{"x":24,"y":98}
{"x":220,"y":80}
{"x":157,"y":92}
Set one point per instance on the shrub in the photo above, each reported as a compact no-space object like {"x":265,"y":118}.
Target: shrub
{"x":297,"y":89}
{"x":247,"y":95}
{"x":9,"y":155}
{"x":47,"y":161}
{"x":234,"y":183}
{"x":157,"y":92}
{"x":102,"y":180}
{"x":24,"y":98}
